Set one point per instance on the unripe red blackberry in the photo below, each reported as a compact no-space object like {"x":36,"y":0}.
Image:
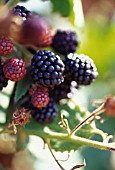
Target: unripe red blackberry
{"x":65,"y":42}
{"x":3,"y":79}
{"x":21,"y":11}
{"x":80,"y":68}
{"x":47,"y":69}
{"x":45,"y":115}
{"x":36,"y":32}
{"x":39,"y":96}
{"x":14,"y":69}
{"x":6,"y":45}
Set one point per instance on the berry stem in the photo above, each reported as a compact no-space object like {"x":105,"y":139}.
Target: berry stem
{"x":72,"y":139}
{"x":94,"y":113}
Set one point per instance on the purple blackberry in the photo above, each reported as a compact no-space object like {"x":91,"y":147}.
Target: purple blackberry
{"x":62,"y":91}
{"x":47,"y":69}
{"x":45,"y":115}
{"x":65,"y":42}
{"x":21,"y":11}
{"x":3,"y":80}
{"x":80,"y":68}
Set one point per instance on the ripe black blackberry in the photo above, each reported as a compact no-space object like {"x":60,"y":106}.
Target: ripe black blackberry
{"x":63,"y":91}
{"x":21,"y":11}
{"x":45,"y":115}
{"x":3,"y":80}
{"x":65,"y":42}
{"x":47,"y":69}
{"x":80,"y":68}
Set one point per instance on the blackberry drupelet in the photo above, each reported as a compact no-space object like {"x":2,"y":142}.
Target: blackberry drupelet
{"x":6,"y":45}
{"x":65,"y":42}
{"x":80,"y":68}
{"x":21,"y":11}
{"x":47,"y":69}
{"x":3,"y":80}
{"x":39,"y":96}
{"x":14,"y":69}
{"x":62,"y":91}
{"x":45,"y":115}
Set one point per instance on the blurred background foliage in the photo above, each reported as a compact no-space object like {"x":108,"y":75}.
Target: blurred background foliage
{"x":97,"y":39}
{"x":95,"y":28}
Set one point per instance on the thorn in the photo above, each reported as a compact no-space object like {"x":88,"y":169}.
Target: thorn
{"x":111,"y":149}
{"x":79,"y":166}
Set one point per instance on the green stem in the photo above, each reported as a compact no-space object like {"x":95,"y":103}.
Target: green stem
{"x":99,"y":132}
{"x":72,"y":139}
{"x":94,"y":113}
{"x":12,"y":3}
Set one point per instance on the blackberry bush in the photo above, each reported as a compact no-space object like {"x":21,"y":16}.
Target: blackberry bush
{"x":45,"y":98}
{"x":47,"y":69}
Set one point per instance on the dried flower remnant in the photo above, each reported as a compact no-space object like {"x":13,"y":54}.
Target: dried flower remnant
{"x":19,"y":117}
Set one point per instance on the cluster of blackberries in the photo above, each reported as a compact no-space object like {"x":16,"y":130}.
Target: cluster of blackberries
{"x":50,"y":72}
{"x":52,"y":76}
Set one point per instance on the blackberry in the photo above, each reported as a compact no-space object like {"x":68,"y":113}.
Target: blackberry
{"x":6,"y":45}
{"x":65,"y":42}
{"x":14,"y":69}
{"x":80,"y":68}
{"x":3,"y":80}
{"x":47,"y":69}
{"x":62,"y":91}
{"x":21,"y":11}
{"x":39,"y":96}
{"x":36,"y":32}
{"x":45,"y":115}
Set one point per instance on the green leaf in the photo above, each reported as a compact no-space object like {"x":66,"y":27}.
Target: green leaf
{"x":23,"y":86}
{"x":74,"y":116}
{"x":62,"y":6}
